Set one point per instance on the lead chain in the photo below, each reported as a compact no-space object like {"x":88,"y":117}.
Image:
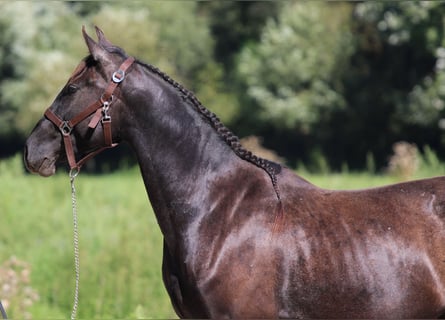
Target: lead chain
{"x":73,"y":175}
{"x":3,"y":311}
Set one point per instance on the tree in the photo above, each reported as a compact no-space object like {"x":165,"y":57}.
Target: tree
{"x":235,"y":23}
{"x":293,"y":74}
{"x":41,"y":43}
{"x":176,"y":38}
{"x":392,"y":85}
{"x":350,"y":78}
{"x":30,"y":54}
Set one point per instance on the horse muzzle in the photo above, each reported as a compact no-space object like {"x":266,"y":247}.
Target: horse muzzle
{"x":42,"y":149}
{"x":43,"y":166}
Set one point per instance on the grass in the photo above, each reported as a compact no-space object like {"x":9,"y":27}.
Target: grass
{"x":120,"y":245}
{"x":120,"y":241}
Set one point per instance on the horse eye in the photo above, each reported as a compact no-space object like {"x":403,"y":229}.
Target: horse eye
{"x":71,"y":88}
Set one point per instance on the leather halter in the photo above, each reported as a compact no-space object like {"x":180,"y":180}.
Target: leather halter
{"x":100,"y":110}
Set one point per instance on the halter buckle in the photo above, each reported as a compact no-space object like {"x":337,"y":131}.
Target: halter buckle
{"x":105,"y":101}
{"x":118,"y":76}
{"x":65,"y":128}
{"x":105,"y":115}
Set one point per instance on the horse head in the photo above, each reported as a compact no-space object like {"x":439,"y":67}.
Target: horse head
{"x":79,"y":120}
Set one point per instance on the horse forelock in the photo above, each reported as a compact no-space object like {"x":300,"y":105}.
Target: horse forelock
{"x":81,"y":67}
{"x":79,"y":70}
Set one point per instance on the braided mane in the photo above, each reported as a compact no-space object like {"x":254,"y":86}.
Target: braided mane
{"x":271,"y":168}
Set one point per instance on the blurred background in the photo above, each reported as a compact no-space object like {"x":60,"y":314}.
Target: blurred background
{"x":339,"y":80}
{"x":324,"y":87}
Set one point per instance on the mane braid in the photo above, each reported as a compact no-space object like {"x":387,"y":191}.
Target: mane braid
{"x":271,"y":168}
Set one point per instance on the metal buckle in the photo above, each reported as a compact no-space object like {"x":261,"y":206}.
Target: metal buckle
{"x":65,"y":128}
{"x":109,"y":101}
{"x":118,"y":76}
{"x":105,"y":115}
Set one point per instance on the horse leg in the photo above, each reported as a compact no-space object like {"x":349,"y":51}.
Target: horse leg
{"x":171,"y":283}
{"x":186,"y":299}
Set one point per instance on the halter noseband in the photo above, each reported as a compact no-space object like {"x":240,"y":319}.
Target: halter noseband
{"x":100,"y":110}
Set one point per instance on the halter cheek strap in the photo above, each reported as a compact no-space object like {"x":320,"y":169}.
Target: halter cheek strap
{"x":100,"y":108}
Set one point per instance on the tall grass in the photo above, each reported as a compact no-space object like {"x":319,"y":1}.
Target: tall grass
{"x":120,"y":241}
{"x":120,"y":244}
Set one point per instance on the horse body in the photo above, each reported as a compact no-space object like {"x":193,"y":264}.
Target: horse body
{"x":248,"y":239}
{"x":324,"y":263}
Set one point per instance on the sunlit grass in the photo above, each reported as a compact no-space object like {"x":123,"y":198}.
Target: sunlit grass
{"x":120,"y":244}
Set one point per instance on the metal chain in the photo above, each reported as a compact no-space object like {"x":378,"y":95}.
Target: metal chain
{"x":73,"y":175}
{"x":3,"y":312}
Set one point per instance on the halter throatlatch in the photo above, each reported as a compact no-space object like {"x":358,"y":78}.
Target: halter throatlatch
{"x":100,"y":108}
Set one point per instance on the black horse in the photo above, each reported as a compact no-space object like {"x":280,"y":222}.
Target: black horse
{"x":244,"y":237}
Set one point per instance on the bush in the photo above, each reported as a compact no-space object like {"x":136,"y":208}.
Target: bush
{"x":404,"y":163}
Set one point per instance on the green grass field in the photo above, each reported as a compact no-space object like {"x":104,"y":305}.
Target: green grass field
{"x":120,"y":242}
{"x":120,"y":245}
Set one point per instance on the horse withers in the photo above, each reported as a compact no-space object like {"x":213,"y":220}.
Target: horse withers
{"x":245,"y":237}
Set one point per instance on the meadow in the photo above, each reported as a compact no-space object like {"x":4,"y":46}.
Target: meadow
{"x":120,"y":242}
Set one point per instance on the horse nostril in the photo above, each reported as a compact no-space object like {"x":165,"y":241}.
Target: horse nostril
{"x":25,"y":157}
{"x":25,"y":154}
{"x":28,"y":165}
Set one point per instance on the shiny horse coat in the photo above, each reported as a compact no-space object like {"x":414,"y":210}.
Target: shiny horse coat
{"x":244,"y":237}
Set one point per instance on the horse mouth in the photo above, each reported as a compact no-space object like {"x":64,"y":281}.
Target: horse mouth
{"x":46,"y":167}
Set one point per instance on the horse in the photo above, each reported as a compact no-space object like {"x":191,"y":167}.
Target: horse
{"x":244,"y":237}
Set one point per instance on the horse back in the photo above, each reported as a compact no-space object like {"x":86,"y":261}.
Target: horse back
{"x":365,"y":253}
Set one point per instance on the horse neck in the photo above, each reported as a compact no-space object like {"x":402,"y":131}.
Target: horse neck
{"x":178,"y":150}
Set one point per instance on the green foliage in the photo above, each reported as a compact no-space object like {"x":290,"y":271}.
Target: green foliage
{"x":415,"y":27}
{"x":32,"y":52}
{"x":400,"y":23}
{"x":370,"y":163}
{"x":235,"y":23}
{"x":41,"y":43}
{"x":344,"y":78}
{"x":318,"y":162}
{"x":289,"y":74}
{"x":430,"y":163}
{"x":349,"y":78}
{"x":177,"y":41}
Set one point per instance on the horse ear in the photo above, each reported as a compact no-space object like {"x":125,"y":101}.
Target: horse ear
{"x":96,"y":49}
{"x":102,"y":40}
